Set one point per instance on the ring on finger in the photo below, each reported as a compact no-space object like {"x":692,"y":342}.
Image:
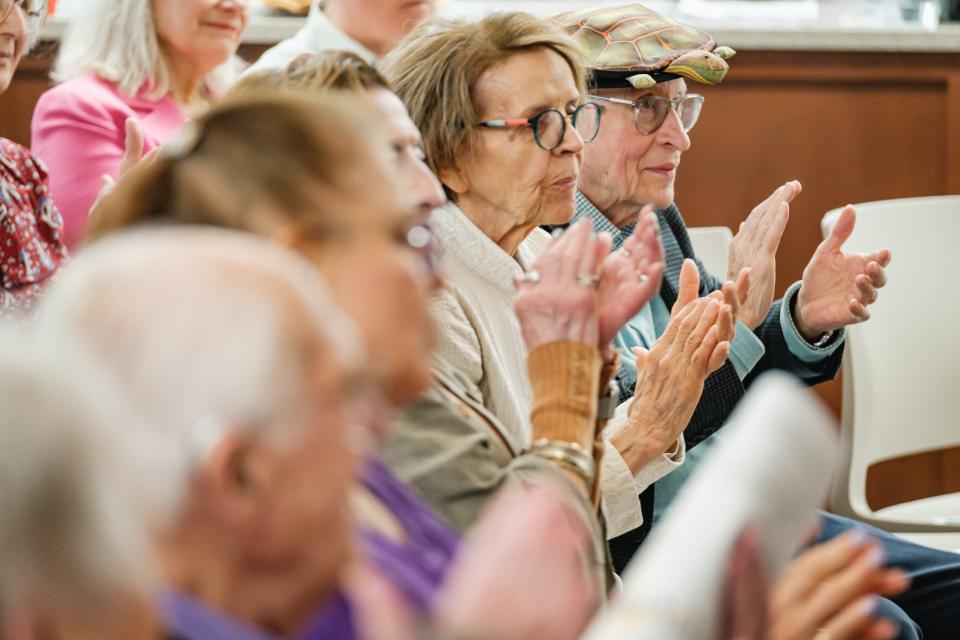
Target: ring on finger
{"x":821,"y":634}
{"x":626,"y":252}
{"x":532,"y":277}
{"x":642,"y":277}
{"x":588,"y":279}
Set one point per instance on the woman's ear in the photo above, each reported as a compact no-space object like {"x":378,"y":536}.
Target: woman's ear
{"x":454,"y":179}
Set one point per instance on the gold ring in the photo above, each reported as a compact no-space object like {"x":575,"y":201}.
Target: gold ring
{"x":821,"y":634}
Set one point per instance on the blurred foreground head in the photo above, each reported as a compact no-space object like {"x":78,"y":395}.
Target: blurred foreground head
{"x":312,"y":172}
{"x":74,"y":555}
{"x":231,"y":347}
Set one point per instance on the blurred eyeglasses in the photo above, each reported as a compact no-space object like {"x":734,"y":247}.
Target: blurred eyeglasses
{"x":30,"y":8}
{"x":550,"y":125}
{"x":650,"y":112}
{"x":418,"y":237}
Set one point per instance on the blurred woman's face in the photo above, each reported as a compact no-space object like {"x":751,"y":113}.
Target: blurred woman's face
{"x":13,"y":41}
{"x":510,"y":173}
{"x":202,"y":33}
{"x":420,"y":185}
{"x":373,"y":257}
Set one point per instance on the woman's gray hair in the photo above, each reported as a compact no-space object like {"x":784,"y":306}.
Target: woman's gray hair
{"x":205,"y":331}
{"x":73,"y":519}
{"x":117,"y":40}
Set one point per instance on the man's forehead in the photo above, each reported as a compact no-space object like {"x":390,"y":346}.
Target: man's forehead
{"x":671,"y":89}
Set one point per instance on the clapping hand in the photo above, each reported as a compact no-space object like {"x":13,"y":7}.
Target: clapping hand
{"x":837,"y":287}
{"x":754,"y":252}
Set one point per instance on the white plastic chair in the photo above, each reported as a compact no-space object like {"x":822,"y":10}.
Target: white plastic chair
{"x":712,"y":245}
{"x":902,"y":368}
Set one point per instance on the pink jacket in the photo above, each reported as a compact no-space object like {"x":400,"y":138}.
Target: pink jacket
{"x":79,"y":132}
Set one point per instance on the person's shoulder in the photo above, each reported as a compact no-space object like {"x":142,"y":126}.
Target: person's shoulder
{"x":82,"y":95}
{"x":13,"y":153}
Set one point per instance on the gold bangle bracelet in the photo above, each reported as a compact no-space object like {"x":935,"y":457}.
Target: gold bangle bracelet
{"x":569,"y":454}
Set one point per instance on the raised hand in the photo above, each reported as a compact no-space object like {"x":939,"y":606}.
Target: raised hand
{"x":535,"y":529}
{"x":630,"y":277}
{"x":755,"y":248}
{"x":833,"y":588}
{"x":670,"y":376}
{"x":838,"y":287}
{"x":557,"y":297}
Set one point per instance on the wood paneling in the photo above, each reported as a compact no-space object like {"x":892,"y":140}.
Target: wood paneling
{"x":852,"y":127}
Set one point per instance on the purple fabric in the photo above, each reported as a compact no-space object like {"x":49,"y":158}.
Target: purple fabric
{"x":188,"y":619}
{"x":417,"y":568}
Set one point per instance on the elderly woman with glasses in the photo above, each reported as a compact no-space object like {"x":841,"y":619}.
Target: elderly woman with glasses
{"x":504,"y":116}
{"x":31,"y":229}
{"x":131,"y":72}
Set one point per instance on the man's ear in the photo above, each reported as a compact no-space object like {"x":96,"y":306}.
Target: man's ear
{"x":235,"y":476}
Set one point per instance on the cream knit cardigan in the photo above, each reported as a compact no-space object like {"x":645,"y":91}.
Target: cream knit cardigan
{"x":479,"y":335}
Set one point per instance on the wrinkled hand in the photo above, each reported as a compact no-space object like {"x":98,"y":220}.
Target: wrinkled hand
{"x":558,"y":307}
{"x":630,"y":277}
{"x":837,"y":287}
{"x":521,"y":572}
{"x":132,"y":156}
{"x":755,"y":248}
{"x":670,"y":376}
{"x":834,"y":587}
{"x":729,"y":294}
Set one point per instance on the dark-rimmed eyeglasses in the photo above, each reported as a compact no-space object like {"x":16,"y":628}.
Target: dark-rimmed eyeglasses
{"x":550,"y":125}
{"x":650,"y":112}
{"x":32,"y":9}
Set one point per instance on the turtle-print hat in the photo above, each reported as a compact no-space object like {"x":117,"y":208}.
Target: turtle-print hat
{"x":631,"y":46}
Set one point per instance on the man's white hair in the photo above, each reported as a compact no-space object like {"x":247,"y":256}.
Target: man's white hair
{"x":205,"y":330}
{"x":73,"y":524}
{"x":118,"y":41}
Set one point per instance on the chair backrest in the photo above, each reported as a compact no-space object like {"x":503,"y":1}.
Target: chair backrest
{"x":712,"y":245}
{"x":902,"y":368}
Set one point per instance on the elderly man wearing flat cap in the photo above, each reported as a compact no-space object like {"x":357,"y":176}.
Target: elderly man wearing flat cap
{"x":641,"y":62}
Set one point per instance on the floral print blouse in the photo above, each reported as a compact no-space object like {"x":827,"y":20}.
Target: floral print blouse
{"x":31,"y":229}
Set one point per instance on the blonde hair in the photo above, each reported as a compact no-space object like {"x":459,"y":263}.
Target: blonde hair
{"x":435,"y":69}
{"x":117,"y":40}
{"x":324,"y":71}
{"x":275,"y":148}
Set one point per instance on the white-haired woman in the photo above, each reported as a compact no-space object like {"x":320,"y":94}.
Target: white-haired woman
{"x":31,"y":230}
{"x":153,"y":62}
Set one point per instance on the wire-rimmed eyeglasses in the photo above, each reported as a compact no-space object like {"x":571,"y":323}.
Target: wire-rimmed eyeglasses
{"x":650,"y":112}
{"x":31,"y":8}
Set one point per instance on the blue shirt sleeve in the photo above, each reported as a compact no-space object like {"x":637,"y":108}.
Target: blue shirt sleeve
{"x":799,"y":347}
{"x":746,"y":349}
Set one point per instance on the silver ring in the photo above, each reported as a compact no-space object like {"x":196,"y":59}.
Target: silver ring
{"x":587,"y":279}
{"x":626,"y":252}
{"x":532,"y":277}
{"x":642,"y":277}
